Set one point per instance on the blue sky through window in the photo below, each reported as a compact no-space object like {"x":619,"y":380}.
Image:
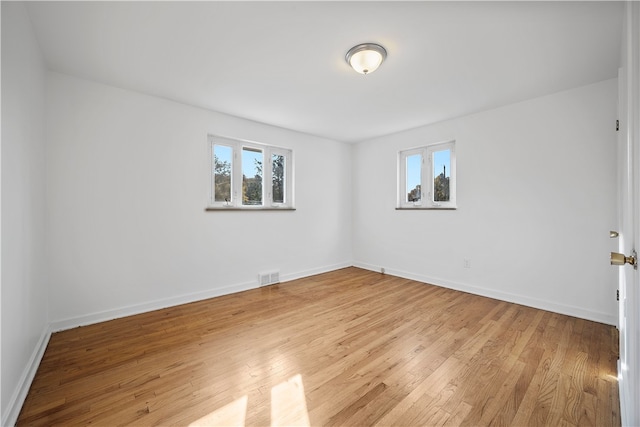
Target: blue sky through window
{"x":223,"y":153}
{"x":440,"y":160}
{"x":413,"y":171}
{"x":249,"y":157}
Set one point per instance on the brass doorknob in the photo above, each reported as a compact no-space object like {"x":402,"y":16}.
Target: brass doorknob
{"x":621,"y":259}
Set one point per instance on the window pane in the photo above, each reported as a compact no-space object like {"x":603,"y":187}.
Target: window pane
{"x":222,"y":173}
{"x":251,"y":176}
{"x":278,"y":168}
{"x":441,"y":175}
{"x":414,"y":178}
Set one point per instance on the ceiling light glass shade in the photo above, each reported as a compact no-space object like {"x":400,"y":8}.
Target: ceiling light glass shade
{"x":366,"y":58}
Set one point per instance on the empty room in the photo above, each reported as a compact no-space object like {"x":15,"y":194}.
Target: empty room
{"x":320,"y":213}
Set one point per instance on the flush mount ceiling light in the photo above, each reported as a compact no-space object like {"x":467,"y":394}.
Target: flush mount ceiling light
{"x":366,"y":58}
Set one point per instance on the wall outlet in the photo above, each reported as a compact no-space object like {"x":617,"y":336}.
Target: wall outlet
{"x":466,"y":263}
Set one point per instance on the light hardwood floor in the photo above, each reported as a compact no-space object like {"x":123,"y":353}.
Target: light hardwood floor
{"x":350,"y":347}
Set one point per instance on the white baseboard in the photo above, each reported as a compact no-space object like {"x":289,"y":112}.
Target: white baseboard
{"x":313,"y":272}
{"x":10,"y":416}
{"x":103,"y":316}
{"x":131,"y":310}
{"x":503,"y":296}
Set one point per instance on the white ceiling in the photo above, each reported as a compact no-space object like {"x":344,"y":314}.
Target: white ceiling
{"x":282,"y":63}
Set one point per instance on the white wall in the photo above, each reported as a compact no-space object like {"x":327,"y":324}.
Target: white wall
{"x":127,"y":188}
{"x":536,"y":198}
{"x":24,"y":288}
{"x":113,"y":222}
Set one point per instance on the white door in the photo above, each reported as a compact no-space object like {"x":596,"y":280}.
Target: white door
{"x":629,"y":216}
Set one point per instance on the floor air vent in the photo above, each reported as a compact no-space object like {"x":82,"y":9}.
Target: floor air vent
{"x":269,"y":278}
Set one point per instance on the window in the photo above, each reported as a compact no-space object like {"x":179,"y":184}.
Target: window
{"x":427,"y":177}
{"x":249,"y":175}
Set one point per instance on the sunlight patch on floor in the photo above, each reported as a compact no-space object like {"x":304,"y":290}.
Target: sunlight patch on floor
{"x":288,"y":403}
{"x":233,"y":414}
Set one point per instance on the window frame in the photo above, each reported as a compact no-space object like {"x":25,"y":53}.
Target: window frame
{"x":237,"y":146}
{"x":427,"y":177}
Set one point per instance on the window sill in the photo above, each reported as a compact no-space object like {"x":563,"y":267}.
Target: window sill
{"x":261,"y":208}
{"x":425,"y":209}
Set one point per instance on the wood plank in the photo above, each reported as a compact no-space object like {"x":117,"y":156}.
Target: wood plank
{"x":349,"y":347}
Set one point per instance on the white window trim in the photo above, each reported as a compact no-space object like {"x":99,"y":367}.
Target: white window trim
{"x":288,"y":176}
{"x":268,"y":151}
{"x":427,"y":177}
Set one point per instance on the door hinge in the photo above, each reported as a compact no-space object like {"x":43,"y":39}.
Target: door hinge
{"x":617,"y":125}
{"x":617,"y":294}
